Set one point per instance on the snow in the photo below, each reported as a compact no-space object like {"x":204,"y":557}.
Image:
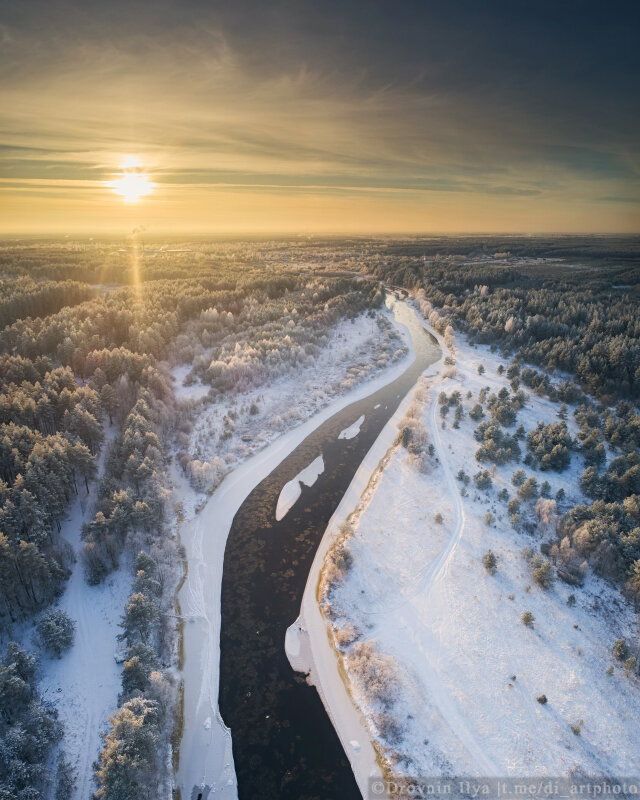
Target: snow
{"x":292,"y":490}
{"x":353,"y":430}
{"x":229,"y":431}
{"x":207,"y":759}
{"x":84,"y":683}
{"x":467,"y":670}
{"x":195,"y":391}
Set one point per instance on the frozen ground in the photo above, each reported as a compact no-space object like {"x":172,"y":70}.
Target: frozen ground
{"x":443,"y":668}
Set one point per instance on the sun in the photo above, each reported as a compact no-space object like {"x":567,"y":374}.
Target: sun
{"x":131,"y":184}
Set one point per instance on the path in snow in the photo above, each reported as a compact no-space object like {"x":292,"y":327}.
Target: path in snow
{"x":84,"y":683}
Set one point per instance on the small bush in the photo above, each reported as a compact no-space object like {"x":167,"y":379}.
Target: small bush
{"x":620,"y":649}
{"x":482,"y":479}
{"x":528,"y":619}
{"x":543,"y":575}
{"x":631,"y":666}
{"x":542,"y":699}
{"x":576,"y":730}
{"x":518,"y":477}
{"x":438,"y":519}
{"x":490,"y":561}
{"x":489,"y":519}
{"x":571,"y":600}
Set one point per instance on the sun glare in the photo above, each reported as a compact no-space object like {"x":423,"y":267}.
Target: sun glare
{"x":131,"y":184}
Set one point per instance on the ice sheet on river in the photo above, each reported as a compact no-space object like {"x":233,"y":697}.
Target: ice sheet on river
{"x":352,"y":430}
{"x":292,"y":490}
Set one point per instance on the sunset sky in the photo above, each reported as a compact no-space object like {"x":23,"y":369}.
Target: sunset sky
{"x":361,"y":116}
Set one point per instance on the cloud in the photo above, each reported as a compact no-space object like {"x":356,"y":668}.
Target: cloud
{"x":458,"y":98}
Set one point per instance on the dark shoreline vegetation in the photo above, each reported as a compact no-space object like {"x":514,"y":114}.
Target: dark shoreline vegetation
{"x":83,"y":361}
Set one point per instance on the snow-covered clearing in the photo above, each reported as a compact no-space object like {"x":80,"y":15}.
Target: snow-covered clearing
{"x":457,"y":673}
{"x":206,"y":754}
{"x":84,"y":683}
{"x":226,"y":433}
{"x":194,"y":391}
{"x":292,"y":490}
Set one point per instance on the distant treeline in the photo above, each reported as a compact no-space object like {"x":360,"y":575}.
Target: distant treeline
{"x":581,"y":325}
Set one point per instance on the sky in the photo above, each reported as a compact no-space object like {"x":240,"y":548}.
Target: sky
{"x":359,"y":116}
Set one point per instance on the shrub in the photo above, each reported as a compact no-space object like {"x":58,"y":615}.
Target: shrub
{"x":571,"y":600}
{"x":405,"y":436}
{"x":489,"y":519}
{"x":374,"y":671}
{"x":576,"y":730}
{"x":503,"y":495}
{"x":55,"y":630}
{"x":482,"y":479}
{"x":542,"y":699}
{"x":518,"y":477}
{"x":480,"y":369}
{"x":528,"y":619}
{"x":631,"y":666}
{"x":438,"y":519}
{"x":529,"y":489}
{"x":514,"y":506}
{"x":543,"y":575}
{"x":490,"y":562}
{"x":620,"y":649}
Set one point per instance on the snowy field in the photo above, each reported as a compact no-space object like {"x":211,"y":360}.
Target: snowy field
{"x":436,"y":654}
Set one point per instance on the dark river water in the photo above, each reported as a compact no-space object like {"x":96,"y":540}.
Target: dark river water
{"x":284,"y":745}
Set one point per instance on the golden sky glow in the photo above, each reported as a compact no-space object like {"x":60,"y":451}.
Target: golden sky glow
{"x":211,"y":119}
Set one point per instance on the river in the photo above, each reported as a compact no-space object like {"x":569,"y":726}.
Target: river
{"x":284,"y":745}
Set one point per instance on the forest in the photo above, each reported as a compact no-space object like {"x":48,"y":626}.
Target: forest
{"x":85,"y":381}
{"x":88,"y":334}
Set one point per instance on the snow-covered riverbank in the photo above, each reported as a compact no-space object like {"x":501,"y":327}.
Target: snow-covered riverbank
{"x":205,"y":754}
{"x":472,"y":690}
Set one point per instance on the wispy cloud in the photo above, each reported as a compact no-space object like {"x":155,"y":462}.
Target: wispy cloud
{"x":281,"y":98}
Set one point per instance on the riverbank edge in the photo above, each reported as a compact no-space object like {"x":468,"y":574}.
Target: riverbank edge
{"x":222,"y":507}
{"x":310,"y":635}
